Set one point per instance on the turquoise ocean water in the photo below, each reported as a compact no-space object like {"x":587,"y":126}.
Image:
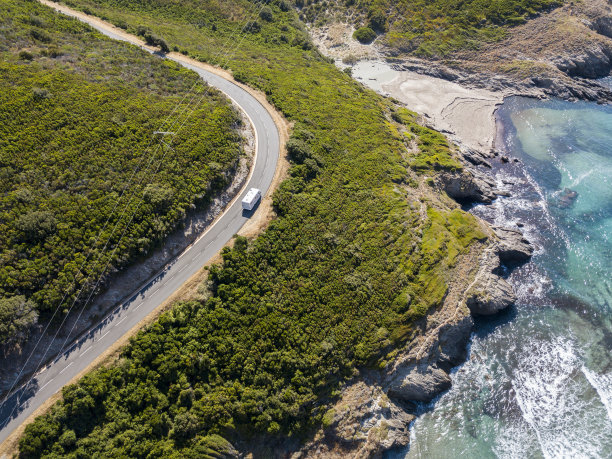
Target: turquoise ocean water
{"x":538,"y":382}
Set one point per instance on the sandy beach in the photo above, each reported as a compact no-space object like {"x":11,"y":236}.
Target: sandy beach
{"x":465,"y":115}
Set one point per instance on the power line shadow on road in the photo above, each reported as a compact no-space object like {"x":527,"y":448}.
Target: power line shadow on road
{"x":17,"y":402}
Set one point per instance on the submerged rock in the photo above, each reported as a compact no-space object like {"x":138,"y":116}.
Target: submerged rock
{"x":566,"y":198}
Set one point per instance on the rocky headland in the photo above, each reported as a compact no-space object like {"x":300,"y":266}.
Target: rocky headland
{"x":376,"y":408}
{"x":557,"y":54}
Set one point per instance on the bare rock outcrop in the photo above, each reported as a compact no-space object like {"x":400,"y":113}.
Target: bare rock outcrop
{"x":512,"y":246}
{"x":489,"y":293}
{"x":592,"y":62}
{"x":469,"y":185}
{"x":364,"y":423}
{"x":420,"y":383}
{"x":375,"y":409}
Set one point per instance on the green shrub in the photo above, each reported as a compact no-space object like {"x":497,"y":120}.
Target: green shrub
{"x":436,"y":28}
{"x":266,"y":14}
{"x":364,"y":35}
{"x":252,"y":26}
{"x":17,"y":316}
{"x":37,"y":224}
{"x":154,"y":40}
{"x":26,"y":55}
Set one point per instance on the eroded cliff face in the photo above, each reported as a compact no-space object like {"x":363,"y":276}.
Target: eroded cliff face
{"x":558,"y":54}
{"x":377,"y":407}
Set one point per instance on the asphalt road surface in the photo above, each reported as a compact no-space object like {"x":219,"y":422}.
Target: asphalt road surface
{"x":26,"y":399}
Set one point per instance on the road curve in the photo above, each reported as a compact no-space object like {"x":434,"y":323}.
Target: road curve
{"x":26,"y":399}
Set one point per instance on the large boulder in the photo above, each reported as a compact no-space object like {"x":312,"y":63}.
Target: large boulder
{"x":468,"y":186}
{"x":512,"y":247}
{"x":489,"y":293}
{"x":420,"y":383}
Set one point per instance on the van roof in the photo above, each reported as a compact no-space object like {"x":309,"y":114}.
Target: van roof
{"x":251,"y":194}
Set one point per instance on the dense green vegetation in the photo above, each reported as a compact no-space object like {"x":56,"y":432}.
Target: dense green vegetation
{"x":430,"y":27}
{"x":77,"y":112}
{"x":360,"y":251}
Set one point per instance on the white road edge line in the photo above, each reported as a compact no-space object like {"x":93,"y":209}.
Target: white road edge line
{"x":47,"y":383}
{"x":65,"y":368}
{"x":244,"y":106}
{"x":85,"y":351}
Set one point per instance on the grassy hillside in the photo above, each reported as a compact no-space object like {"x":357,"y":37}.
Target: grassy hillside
{"x":362,"y":248}
{"x":77,"y":112}
{"x":427,"y":28}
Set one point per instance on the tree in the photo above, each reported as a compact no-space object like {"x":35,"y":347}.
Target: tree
{"x":266,"y":14}
{"x":185,"y":426}
{"x":36,"y":225}
{"x":17,"y":316}
{"x":155,"y":40}
{"x":377,"y":21}
{"x":159,"y":196}
{"x":298,"y":150}
{"x":252,"y":26}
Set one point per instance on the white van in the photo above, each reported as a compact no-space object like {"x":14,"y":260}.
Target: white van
{"x":251,"y":199}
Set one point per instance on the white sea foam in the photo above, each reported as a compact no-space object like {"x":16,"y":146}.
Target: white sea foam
{"x":603,"y":386}
{"x":534,"y":284}
{"x":552,"y":400}
{"x":526,"y":390}
{"x":514,"y":442}
{"x":581,"y":177}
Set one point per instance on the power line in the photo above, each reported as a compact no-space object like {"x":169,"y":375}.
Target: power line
{"x":123,"y":233}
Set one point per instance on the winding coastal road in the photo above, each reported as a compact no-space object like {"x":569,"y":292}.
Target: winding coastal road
{"x":26,"y":399}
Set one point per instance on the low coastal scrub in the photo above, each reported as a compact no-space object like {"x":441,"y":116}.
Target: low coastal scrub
{"x":364,"y":35}
{"x":77,"y":112}
{"x":429,"y":28}
{"x":361,"y":250}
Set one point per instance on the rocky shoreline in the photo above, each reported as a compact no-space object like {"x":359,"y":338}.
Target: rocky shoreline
{"x":377,"y":408}
{"x":564,"y":87}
